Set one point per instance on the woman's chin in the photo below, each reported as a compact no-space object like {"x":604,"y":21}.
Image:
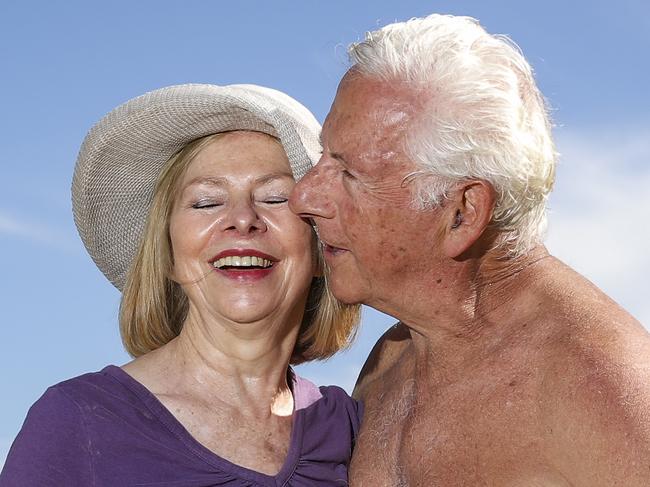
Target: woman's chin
{"x":248,"y":311}
{"x":247,"y":317}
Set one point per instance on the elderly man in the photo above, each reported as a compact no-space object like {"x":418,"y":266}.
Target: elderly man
{"x":507,"y":367}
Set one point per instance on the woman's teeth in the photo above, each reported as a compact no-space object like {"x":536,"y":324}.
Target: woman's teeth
{"x":242,"y":261}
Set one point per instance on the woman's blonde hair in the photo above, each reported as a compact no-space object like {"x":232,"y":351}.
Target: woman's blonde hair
{"x":153,"y":307}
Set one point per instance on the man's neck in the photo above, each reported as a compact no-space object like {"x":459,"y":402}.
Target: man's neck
{"x":475,"y":311}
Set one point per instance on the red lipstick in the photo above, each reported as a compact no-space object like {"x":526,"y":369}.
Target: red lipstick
{"x":242,"y":252}
{"x":244,"y":274}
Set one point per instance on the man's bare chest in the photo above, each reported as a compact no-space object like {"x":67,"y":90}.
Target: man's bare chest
{"x":476,"y":433}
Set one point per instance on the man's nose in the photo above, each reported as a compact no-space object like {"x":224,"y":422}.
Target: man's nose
{"x":310,"y":197}
{"x":242,"y":217}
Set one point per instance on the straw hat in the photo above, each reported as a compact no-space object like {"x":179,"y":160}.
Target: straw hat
{"x":122,"y":156}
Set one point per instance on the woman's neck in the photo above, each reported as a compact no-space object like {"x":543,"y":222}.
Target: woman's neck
{"x":243,"y":365}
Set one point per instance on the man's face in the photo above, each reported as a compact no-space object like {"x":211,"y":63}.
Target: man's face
{"x":374,"y":240}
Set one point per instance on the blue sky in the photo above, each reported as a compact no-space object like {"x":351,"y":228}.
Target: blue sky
{"x":65,"y":64}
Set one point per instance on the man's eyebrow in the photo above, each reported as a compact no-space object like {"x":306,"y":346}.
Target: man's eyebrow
{"x":339,"y":157}
{"x":336,"y":155}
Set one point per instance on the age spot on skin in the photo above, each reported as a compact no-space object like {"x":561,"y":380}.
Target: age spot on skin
{"x":438,"y":281}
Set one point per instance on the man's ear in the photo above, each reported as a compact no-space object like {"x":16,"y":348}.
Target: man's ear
{"x":469,"y":212}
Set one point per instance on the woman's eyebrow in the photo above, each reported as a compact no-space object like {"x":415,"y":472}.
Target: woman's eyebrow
{"x":267,"y":178}
{"x":221,"y":181}
{"x":209,"y":180}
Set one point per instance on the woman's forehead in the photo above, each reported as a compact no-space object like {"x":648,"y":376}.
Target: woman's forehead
{"x":241,"y":153}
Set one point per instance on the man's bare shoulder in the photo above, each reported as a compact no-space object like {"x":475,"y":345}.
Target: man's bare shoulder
{"x":599,"y":402}
{"x":596,"y":392}
{"x":386,"y":352}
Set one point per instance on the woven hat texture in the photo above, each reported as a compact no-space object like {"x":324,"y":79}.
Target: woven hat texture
{"x":122,"y":155}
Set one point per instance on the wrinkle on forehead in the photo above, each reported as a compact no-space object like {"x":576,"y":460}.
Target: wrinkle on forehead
{"x":391,"y":120}
{"x":369,"y":122}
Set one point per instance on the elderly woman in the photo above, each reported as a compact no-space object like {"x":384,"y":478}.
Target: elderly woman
{"x":180,"y":197}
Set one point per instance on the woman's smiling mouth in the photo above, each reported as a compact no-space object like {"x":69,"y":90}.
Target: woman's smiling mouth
{"x":243,"y":264}
{"x":251,"y":261}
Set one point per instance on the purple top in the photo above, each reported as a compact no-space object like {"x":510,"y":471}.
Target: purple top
{"x":107,"y":429}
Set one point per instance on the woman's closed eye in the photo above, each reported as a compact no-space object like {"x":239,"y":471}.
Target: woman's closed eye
{"x":204,"y":204}
{"x":275,"y":200}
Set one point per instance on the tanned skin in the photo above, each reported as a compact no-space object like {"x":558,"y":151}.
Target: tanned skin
{"x":556,"y":394}
{"x":502,"y":371}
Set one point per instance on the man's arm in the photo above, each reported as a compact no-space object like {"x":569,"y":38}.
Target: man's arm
{"x":598,"y":426}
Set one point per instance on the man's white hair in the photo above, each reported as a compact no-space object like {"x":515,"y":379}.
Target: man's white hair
{"x":484,"y":117}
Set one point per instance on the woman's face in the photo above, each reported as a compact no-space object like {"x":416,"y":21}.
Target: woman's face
{"x":239,"y":252}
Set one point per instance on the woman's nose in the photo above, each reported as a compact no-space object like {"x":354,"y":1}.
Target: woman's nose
{"x":309,"y":198}
{"x":243,"y":218}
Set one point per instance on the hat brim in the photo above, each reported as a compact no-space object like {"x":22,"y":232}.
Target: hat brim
{"x":122,"y":156}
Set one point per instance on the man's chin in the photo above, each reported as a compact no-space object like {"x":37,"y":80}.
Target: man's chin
{"x":345,"y":290}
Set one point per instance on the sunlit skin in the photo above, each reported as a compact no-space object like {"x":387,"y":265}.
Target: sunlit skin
{"x":501,"y":372}
{"x":358,"y":196}
{"x":224,"y":377}
{"x":234,"y":199}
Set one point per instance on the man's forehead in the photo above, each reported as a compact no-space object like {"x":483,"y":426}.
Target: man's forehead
{"x":368,"y":125}
{"x":372,"y":107}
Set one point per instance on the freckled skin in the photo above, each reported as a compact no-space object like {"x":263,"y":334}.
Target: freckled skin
{"x":501,"y":372}
{"x":373,"y":202}
{"x":224,"y":377}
